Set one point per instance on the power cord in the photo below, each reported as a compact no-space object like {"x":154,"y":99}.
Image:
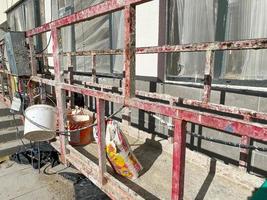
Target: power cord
{"x":49,"y":40}
{"x":243,"y":146}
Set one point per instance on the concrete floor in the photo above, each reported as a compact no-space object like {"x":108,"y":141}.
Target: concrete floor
{"x":201,"y":181}
{"x":22,"y":182}
{"x":211,"y":180}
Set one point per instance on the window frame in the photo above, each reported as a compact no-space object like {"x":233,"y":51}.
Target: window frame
{"x":220,"y":82}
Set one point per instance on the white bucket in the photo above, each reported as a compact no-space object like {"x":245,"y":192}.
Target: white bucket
{"x":43,"y":115}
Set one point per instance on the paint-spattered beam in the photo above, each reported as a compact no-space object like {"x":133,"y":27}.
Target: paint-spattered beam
{"x":206,"y":46}
{"x":194,"y":47}
{"x":235,"y":126}
{"x":166,"y":97}
{"x":86,"y":14}
{"x":230,"y":125}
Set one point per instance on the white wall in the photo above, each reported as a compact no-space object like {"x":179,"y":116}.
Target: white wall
{"x":147,"y":34}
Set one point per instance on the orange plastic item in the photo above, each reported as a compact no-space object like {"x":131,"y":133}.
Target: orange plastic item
{"x":80,"y":118}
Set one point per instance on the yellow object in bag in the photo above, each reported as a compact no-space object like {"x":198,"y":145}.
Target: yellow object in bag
{"x":119,"y":152}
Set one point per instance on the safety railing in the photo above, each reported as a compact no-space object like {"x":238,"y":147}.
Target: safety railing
{"x":180,"y":115}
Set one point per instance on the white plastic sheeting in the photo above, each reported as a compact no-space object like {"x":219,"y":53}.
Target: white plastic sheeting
{"x":92,"y":35}
{"x":199,"y":21}
{"x":189,"y":21}
{"x":21,"y":18}
{"x":246,"y":19}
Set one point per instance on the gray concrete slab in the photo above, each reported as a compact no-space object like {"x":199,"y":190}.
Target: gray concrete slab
{"x":23,"y":182}
{"x":201,"y":181}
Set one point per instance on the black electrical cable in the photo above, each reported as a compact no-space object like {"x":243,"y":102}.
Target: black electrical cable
{"x":17,"y":131}
{"x":252,"y":147}
{"x":243,"y":146}
{"x":48,"y":43}
{"x":16,"y":125}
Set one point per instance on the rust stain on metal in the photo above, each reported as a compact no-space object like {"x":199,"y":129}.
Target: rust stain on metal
{"x":178,"y":159}
{"x":129,"y":51}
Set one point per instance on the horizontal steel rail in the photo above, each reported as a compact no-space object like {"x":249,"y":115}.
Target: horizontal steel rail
{"x":252,"y":44}
{"x":89,"y":13}
{"x":231,"y":125}
{"x":165,"y":97}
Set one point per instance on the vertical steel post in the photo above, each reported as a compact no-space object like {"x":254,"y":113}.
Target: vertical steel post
{"x":129,"y":59}
{"x":129,"y":51}
{"x":208,"y":76}
{"x":178,"y":160}
{"x":60,"y":94}
{"x":101,"y":139}
{"x":245,"y":140}
{"x":170,"y":131}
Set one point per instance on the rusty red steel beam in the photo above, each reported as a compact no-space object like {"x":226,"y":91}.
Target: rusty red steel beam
{"x":170,"y":111}
{"x":166,"y":97}
{"x":189,"y":102}
{"x":244,"y":153}
{"x":240,"y":127}
{"x":90,"y":170}
{"x":208,"y":76}
{"x":195,"y":47}
{"x":129,"y":51}
{"x":95,"y":93}
{"x":113,"y":187}
{"x":100,"y":104}
{"x":230,"y":125}
{"x":95,"y":52}
{"x":85,"y":53}
{"x":86,"y":14}
{"x":60,"y":95}
{"x":43,"y":80}
{"x":224,"y":108}
{"x":206,"y":46}
{"x":178,"y":159}
{"x":86,"y":91}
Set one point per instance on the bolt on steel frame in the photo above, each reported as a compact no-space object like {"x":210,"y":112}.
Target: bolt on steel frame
{"x":180,"y":115}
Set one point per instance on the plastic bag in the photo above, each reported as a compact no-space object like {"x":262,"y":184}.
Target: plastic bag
{"x":119,"y":152}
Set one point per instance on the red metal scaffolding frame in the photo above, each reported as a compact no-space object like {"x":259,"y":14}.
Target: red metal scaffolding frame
{"x":245,"y":127}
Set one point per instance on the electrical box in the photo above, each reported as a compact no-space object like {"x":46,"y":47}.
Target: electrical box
{"x":17,"y":54}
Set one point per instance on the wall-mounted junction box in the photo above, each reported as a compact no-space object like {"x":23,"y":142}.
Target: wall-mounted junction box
{"x":17,"y":54}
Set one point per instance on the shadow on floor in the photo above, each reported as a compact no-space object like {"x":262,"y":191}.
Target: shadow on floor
{"x":206,"y":184}
{"x":152,"y":149}
{"x":84,"y":189}
{"x":131,"y":184}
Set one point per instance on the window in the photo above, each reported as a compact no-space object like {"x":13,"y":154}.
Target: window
{"x":193,"y":21}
